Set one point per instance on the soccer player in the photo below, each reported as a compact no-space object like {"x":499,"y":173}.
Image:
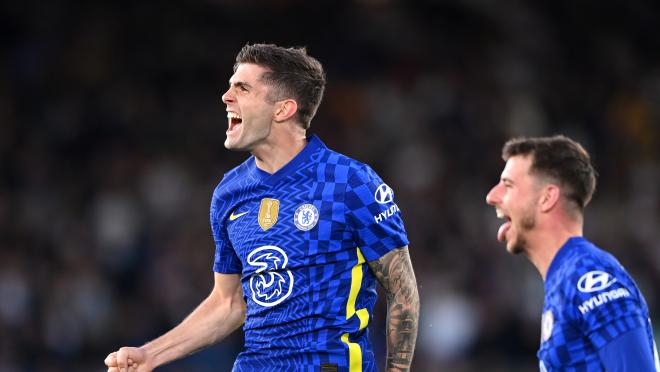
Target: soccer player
{"x":594,"y":316}
{"x":302,"y":235}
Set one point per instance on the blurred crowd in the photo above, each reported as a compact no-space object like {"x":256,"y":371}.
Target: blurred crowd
{"x":111,"y":143}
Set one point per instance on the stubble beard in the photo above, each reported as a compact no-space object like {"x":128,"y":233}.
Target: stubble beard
{"x":527,"y":223}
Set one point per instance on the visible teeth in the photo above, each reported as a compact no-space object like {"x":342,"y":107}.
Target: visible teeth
{"x":233,"y":115}
{"x":502,"y":215}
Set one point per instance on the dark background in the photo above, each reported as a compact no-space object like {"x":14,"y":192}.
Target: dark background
{"x":111,"y":143}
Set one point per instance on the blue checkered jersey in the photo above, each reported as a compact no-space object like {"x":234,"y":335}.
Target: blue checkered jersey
{"x":300,"y":238}
{"x":590,"y":300}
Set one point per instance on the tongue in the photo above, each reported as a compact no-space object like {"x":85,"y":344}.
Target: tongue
{"x":501,"y":233}
{"x":233,"y":125}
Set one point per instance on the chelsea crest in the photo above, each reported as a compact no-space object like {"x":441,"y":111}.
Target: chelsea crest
{"x":306,"y":217}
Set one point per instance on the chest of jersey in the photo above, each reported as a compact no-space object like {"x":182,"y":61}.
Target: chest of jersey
{"x":563,"y":347}
{"x":304,"y":223}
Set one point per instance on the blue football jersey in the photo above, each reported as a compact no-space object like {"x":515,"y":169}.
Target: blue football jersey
{"x":590,"y":300}
{"x":300,"y":238}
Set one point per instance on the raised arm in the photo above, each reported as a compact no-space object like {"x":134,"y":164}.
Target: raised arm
{"x":217,"y":316}
{"x":395,"y":273}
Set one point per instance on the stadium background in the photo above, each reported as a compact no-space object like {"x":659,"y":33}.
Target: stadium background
{"x":111,"y":132}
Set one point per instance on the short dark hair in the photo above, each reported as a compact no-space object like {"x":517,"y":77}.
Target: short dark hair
{"x":561,"y":159}
{"x":292,"y":72}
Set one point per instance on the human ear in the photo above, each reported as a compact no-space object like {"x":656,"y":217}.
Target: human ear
{"x":549,"y":197}
{"x":285,"y":110}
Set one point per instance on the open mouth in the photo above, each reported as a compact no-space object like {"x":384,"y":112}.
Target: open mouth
{"x":235,"y":120}
{"x":501,"y":232}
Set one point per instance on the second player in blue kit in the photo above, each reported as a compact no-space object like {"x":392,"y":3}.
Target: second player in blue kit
{"x":594,"y":317}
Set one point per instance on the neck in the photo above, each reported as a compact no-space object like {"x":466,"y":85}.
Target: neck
{"x":282,"y":146}
{"x":544,"y":243}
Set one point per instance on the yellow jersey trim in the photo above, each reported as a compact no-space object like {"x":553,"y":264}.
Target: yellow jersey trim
{"x":354,"y":349}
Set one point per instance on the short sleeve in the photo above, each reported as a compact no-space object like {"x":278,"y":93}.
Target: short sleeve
{"x":373,"y":215}
{"x":629,"y":352}
{"x":606,"y":303}
{"x":226,"y":261}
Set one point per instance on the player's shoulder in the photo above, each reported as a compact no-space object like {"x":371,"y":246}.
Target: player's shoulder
{"x":585,"y":256}
{"x":355,"y":171}
{"x":589,"y":269}
{"x":335,"y":157}
{"x":596,"y":288}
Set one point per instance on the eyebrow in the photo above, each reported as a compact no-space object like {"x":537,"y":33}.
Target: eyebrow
{"x":239,"y":84}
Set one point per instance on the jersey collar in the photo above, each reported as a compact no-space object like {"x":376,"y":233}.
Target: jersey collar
{"x":561,"y":254}
{"x":313,"y":143}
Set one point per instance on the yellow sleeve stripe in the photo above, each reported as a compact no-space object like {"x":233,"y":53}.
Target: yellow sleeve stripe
{"x":354,"y":349}
{"x":356,"y":283}
{"x":363,"y":315}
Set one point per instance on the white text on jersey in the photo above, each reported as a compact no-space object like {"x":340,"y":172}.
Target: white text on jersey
{"x":380,"y":217}
{"x":602,"y":298}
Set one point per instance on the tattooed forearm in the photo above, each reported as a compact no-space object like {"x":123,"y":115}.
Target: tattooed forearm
{"x":395,"y":273}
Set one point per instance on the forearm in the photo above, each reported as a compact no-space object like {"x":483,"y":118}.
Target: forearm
{"x":395,"y":273}
{"x":402,"y":325}
{"x":209,"y":323}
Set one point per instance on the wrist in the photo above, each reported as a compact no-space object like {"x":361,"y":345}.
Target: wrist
{"x":151,"y":355}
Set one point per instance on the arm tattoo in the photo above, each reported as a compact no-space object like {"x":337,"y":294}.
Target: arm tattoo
{"x":395,"y":274}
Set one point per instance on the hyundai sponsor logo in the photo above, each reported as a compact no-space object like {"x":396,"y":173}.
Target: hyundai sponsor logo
{"x":594,"y":281}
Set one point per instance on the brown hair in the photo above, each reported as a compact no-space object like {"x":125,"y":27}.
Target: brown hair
{"x":292,"y":73}
{"x":561,"y":159}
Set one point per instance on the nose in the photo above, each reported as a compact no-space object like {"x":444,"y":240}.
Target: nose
{"x":227,"y":96}
{"x":492,"y":198}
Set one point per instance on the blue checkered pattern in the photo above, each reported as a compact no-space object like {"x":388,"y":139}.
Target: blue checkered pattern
{"x":296,"y":306}
{"x":586,"y":320}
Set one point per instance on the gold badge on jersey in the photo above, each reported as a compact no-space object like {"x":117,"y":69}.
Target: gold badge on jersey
{"x":268,"y":212}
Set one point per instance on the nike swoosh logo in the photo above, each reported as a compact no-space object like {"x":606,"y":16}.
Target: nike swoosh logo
{"x":233,"y":216}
